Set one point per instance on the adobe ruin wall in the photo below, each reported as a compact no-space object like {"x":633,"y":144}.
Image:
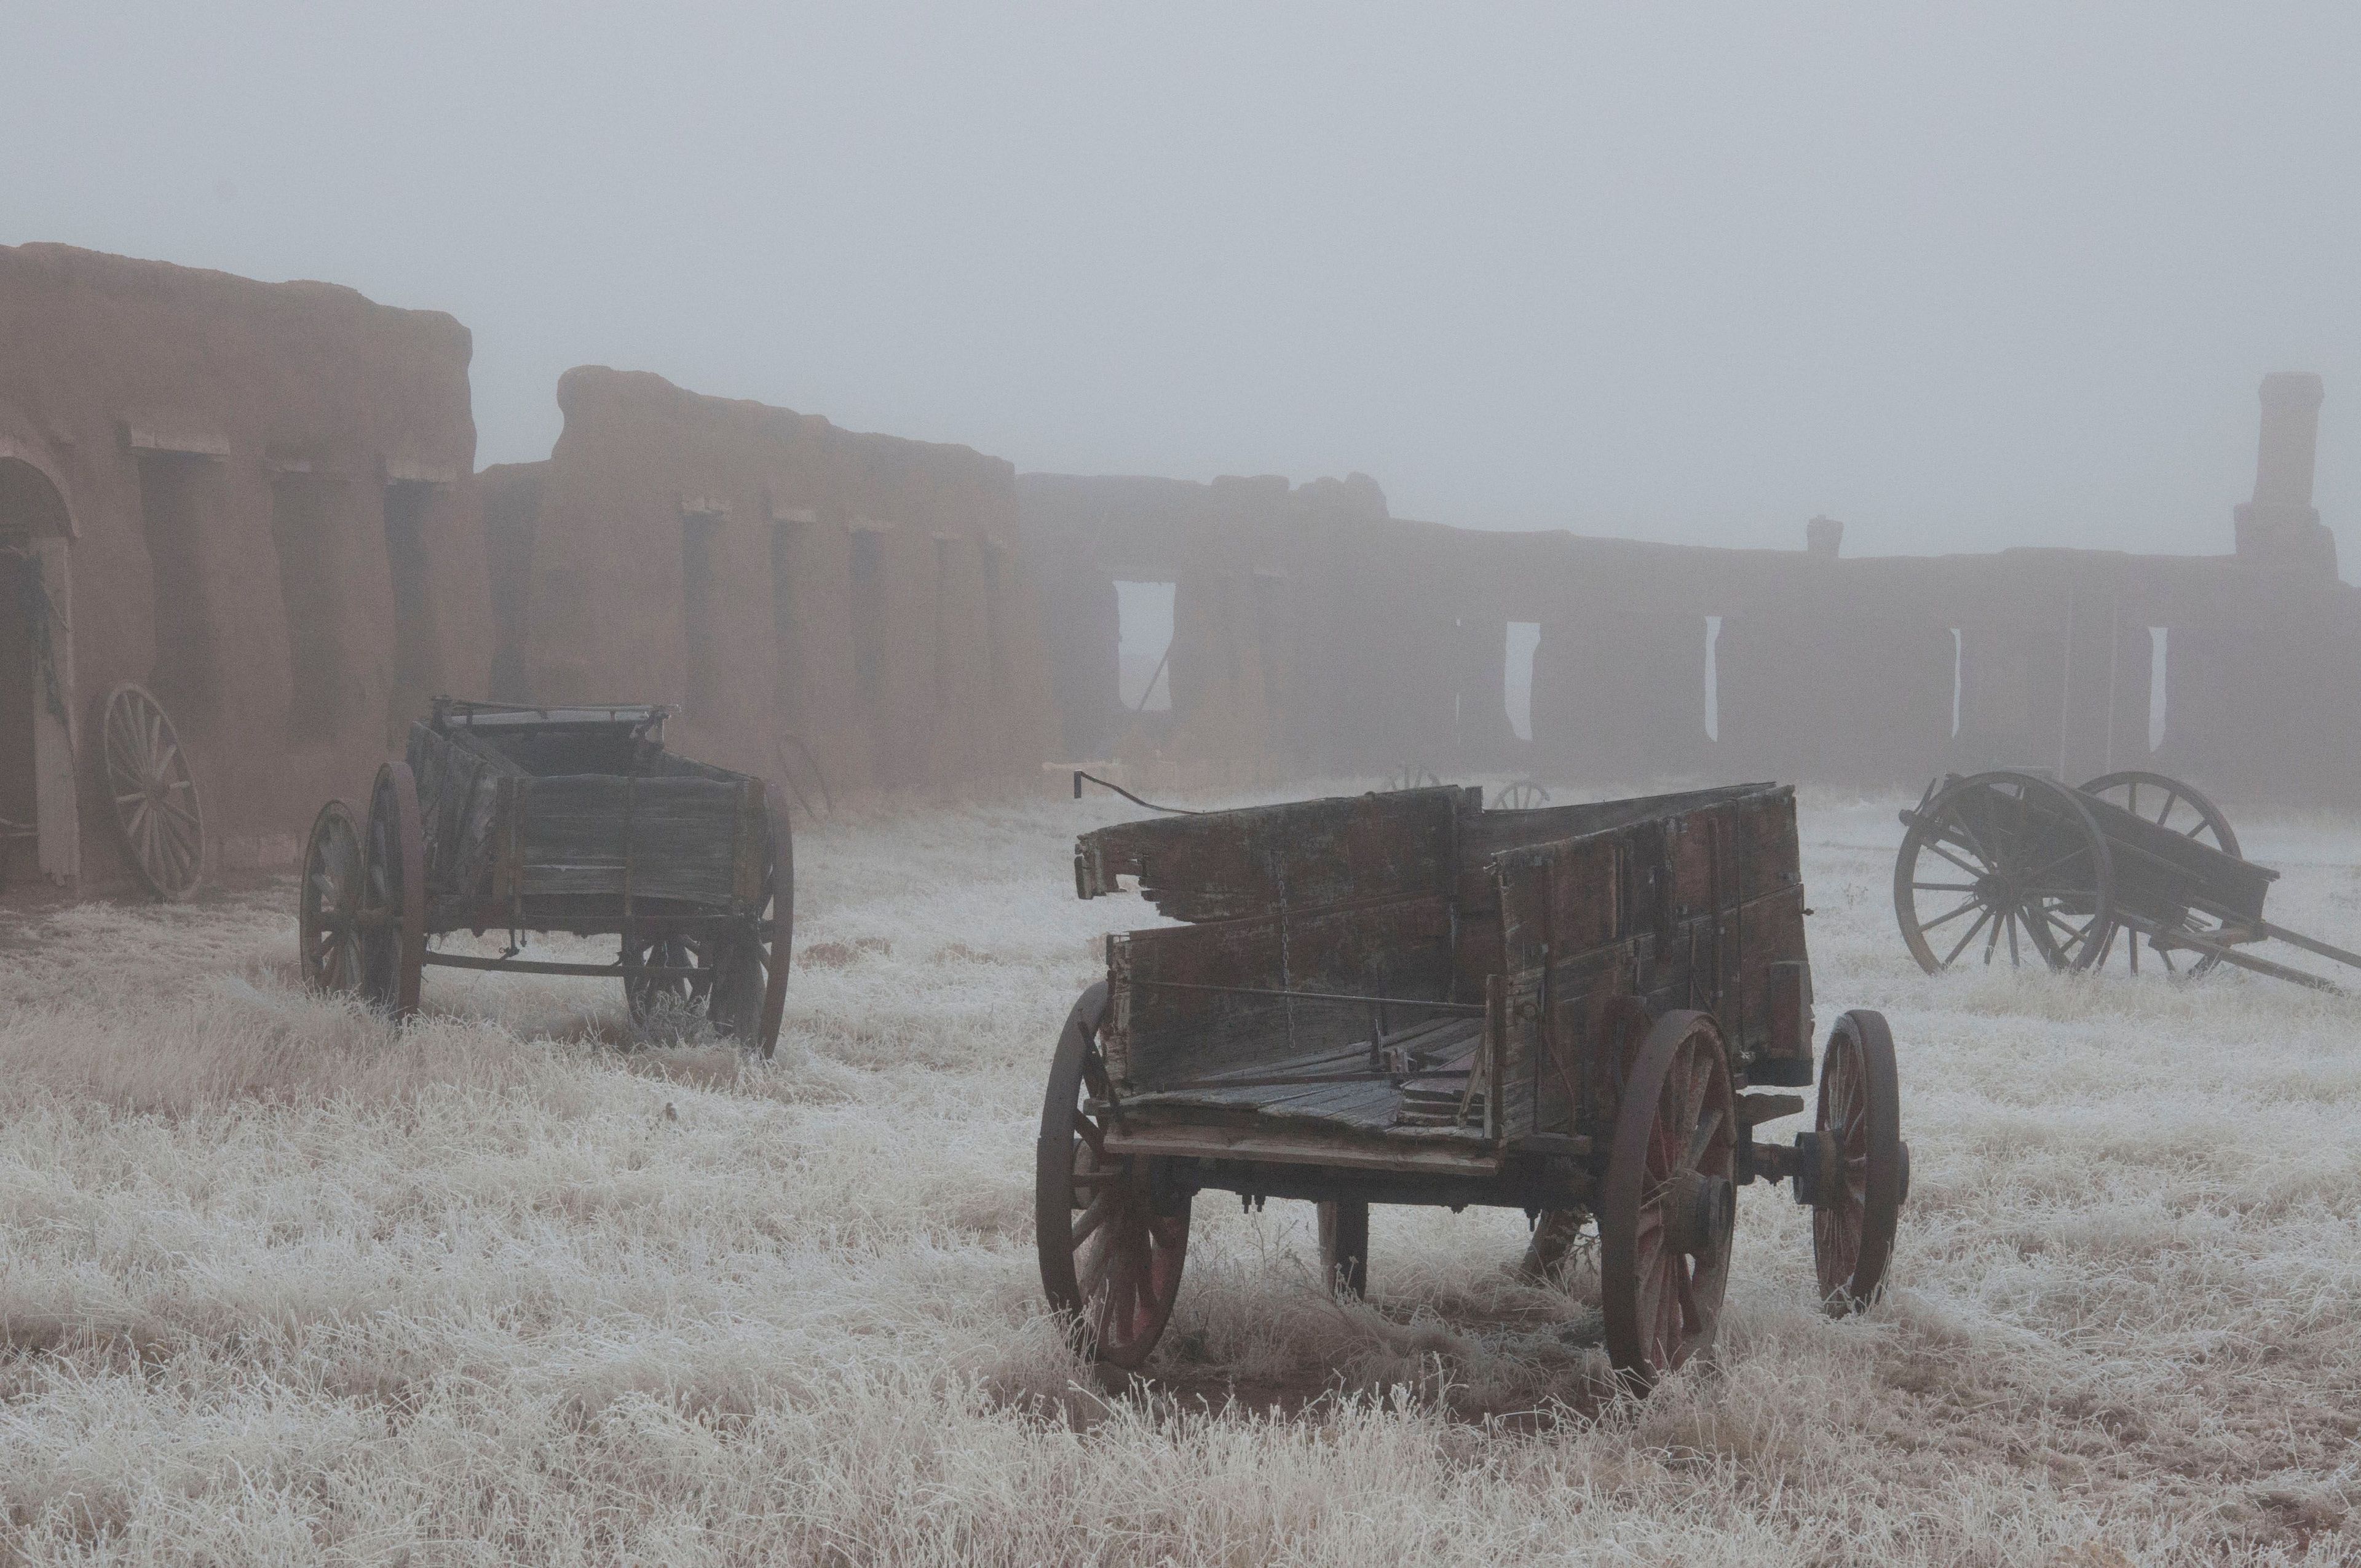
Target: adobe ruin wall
{"x":253,"y":498}
{"x":1875,"y":672}
{"x":809,"y":598}
{"x":257,"y":500}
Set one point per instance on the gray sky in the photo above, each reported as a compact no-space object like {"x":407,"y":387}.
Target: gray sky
{"x":1966,"y":277}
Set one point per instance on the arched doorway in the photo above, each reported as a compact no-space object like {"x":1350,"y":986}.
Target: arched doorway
{"x":39,"y":827}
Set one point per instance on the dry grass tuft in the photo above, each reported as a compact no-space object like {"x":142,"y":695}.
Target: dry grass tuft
{"x":280,"y":1284}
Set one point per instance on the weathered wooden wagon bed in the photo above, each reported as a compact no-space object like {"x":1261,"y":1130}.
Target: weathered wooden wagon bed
{"x":1406,"y":998}
{"x":572,"y":819}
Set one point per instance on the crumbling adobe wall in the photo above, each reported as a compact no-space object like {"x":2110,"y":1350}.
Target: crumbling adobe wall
{"x":1861,"y":670}
{"x":771,"y":575}
{"x":268,"y":519}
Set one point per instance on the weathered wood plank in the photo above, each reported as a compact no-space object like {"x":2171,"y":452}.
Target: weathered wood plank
{"x":1231,"y":864}
{"x":1161,"y":1034}
{"x":1432,"y":1153}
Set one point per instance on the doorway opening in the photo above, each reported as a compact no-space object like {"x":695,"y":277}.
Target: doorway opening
{"x":38,"y":816}
{"x":1144,"y":645}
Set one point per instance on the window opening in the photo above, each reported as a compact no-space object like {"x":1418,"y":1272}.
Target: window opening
{"x":1524,"y":640}
{"x":1958,"y":675}
{"x":1713,"y":677}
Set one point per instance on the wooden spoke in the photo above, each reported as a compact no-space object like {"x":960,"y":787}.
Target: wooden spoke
{"x":328,"y":904}
{"x":2027,"y":843}
{"x":1664,"y":1206}
{"x":1854,"y":1217}
{"x":158,"y":815}
{"x":1111,"y":1265}
{"x":2132,"y":790}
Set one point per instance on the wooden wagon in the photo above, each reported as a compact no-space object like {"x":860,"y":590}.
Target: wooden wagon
{"x":1405,"y":998}
{"x":2076,"y":878}
{"x":567,"y":819}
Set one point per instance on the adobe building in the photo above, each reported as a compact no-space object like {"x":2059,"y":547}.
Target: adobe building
{"x":1313,"y":632}
{"x":810,"y":599}
{"x":253,"y":500}
{"x":256,"y":500}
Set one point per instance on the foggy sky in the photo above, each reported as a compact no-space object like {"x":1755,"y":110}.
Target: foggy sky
{"x":1989,"y":275}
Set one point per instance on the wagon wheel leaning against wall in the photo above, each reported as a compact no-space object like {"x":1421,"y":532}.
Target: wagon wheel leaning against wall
{"x":2003,"y":857}
{"x":327,"y":909}
{"x":1853,"y":1169}
{"x":158,"y":813}
{"x":392,"y":915}
{"x":2167,"y":802}
{"x":1112,"y":1241}
{"x":1667,"y":1204}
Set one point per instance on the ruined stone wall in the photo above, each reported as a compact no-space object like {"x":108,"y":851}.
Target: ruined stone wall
{"x":1875,"y":672}
{"x":254,"y":500}
{"x":773,"y":576}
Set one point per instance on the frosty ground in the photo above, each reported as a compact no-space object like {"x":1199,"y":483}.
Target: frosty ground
{"x":280,"y":1284}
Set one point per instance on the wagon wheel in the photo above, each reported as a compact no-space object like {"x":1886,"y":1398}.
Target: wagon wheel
{"x":1523,"y":796}
{"x":2168,"y":803}
{"x":392,"y":918}
{"x":1859,"y":1168}
{"x":1666,"y":1206}
{"x":1344,"y":1247}
{"x":772,"y":942}
{"x":157,"y":810}
{"x":1409,"y":775}
{"x":649,"y":995}
{"x":1111,"y":1242}
{"x":2013,"y":852}
{"x":740,"y":981}
{"x":328,"y":908}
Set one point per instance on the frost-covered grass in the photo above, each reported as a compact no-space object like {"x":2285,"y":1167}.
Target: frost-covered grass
{"x":277,"y":1284}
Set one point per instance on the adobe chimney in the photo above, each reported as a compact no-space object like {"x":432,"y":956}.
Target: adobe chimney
{"x":2279,"y":527}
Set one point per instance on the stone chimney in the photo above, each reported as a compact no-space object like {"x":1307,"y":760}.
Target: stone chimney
{"x":2281,"y":527}
{"x":1824,"y":536}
